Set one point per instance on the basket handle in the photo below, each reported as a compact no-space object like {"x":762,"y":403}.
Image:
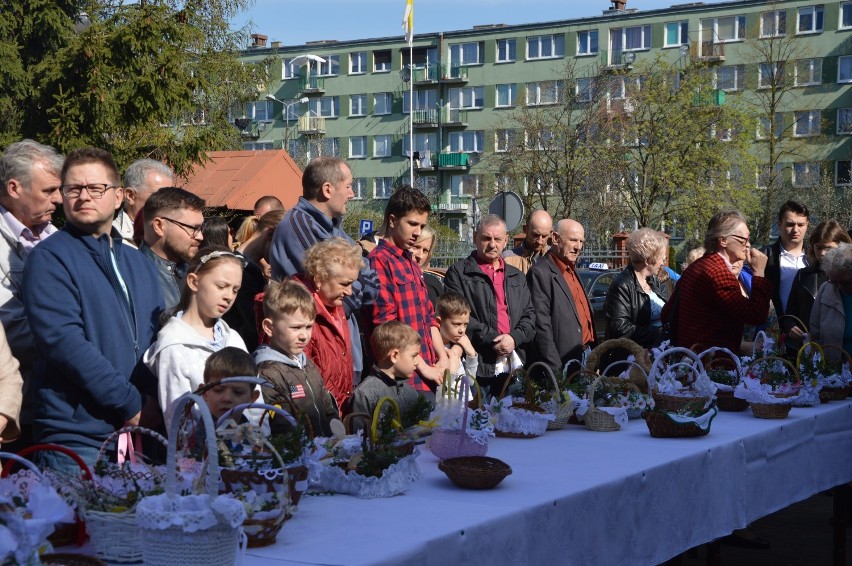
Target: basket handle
{"x":20,"y":460}
{"x":550,"y":374}
{"x":87,"y":472}
{"x":658,"y":364}
{"x":759,"y":340}
{"x":591,"y":392}
{"x":843,"y":352}
{"x":804,"y":349}
{"x":629,"y":363}
{"x":795,"y":318}
{"x":212,"y":479}
{"x":116,"y":436}
{"x":377,"y":413}
{"x":730,"y":354}
{"x":277,"y":410}
{"x":789,"y":364}
{"x":446,"y":387}
{"x":347,"y":420}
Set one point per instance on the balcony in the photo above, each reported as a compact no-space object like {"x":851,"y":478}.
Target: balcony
{"x":248,"y":128}
{"x":311,"y":85}
{"x":456,"y":118}
{"x":617,"y":60}
{"x":425,"y":118}
{"x":449,"y":202}
{"x":426,"y":75}
{"x":454,"y":74}
{"x":712,"y":52}
{"x":453,"y":161}
{"x":312,"y":125}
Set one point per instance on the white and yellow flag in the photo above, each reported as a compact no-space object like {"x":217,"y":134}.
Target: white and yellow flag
{"x":408,"y":21}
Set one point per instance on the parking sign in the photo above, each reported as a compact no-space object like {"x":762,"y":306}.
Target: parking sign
{"x":366,"y":227}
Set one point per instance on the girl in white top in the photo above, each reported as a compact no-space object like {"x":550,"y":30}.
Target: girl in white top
{"x":195,"y":328}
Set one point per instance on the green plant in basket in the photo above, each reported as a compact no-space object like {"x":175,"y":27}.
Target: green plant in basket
{"x":382,"y":450}
{"x":292,"y":443}
{"x":723,"y":376}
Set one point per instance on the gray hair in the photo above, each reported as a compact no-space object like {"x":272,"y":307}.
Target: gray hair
{"x":645,"y":244}
{"x":489,"y":220}
{"x":722,"y":224}
{"x":20,"y":158}
{"x":138,"y":171}
{"x":838,"y":260}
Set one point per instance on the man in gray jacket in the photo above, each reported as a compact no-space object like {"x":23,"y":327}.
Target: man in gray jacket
{"x":29,"y":173}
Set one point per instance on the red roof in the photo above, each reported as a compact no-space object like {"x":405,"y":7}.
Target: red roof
{"x":236,"y":179}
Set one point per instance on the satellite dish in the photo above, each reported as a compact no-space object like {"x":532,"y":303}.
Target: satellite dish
{"x":508,"y":206}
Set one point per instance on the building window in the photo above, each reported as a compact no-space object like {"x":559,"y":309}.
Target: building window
{"x":260,"y":110}
{"x":423,"y":100}
{"x":422,"y":144}
{"x":506,"y":94}
{"x":807,"y":123}
{"x":720,"y":30}
{"x":506,"y":50}
{"x":324,"y":146}
{"x":770,"y":74}
{"x":677,"y":33}
{"x":537,"y":186}
{"x":630,"y":39}
{"x":844,"y":68}
{"x":464,"y":185}
{"x":843,"y":173}
{"x":358,"y":147}
{"x":382,"y":103}
{"x":358,"y":63}
{"x":806,"y":174}
{"x":730,"y":77}
{"x":846,"y":16}
{"x":471,"y":97}
{"x":382,"y":146}
{"x":467,"y":142}
{"x":844,"y":120}
{"x":455,"y":224}
{"x":383,"y":186}
{"x":585,"y":89}
{"x":466,"y":54}
{"x":358,"y":105}
{"x":545,"y":92}
{"x":810,"y":19}
{"x":327,"y":106}
{"x":539,"y":140}
{"x":764,"y":127}
{"x":587,"y":42}
{"x":545,"y":46}
{"x":504,"y":140}
{"x":287,"y":70}
{"x":808,"y":72}
{"x":331,"y":67}
{"x":773,"y":24}
{"x":258,"y":146}
{"x":382,"y":61}
{"x":359,"y":187}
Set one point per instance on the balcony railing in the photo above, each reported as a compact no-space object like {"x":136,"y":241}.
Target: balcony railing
{"x":311,"y":125}
{"x":311,"y":83}
{"x":454,"y":73}
{"x":425,"y":74}
{"x":449,"y":202}
{"x":712,"y":51}
{"x":456,"y":116}
{"x":453,"y":160}
{"x":425,"y":117}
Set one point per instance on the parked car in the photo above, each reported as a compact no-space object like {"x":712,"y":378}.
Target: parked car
{"x":596,"y":280}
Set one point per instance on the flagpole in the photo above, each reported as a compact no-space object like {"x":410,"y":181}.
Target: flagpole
{"x":411,"y":111}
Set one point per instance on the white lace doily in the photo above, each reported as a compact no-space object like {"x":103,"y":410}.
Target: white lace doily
{"x":396,"y":479}
{"x":189,"y":512}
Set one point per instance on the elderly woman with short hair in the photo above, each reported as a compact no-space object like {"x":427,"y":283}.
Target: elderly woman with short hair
{"x":636,"y":297}
{"x":708,"y":306}
{"x":831,"y":315}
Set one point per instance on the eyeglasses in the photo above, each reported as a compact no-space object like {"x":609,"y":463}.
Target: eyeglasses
{"x":95,"y":190}
{"x":191,"y":231}
{"x":741,"y":239}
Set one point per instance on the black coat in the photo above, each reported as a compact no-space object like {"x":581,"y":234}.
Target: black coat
{"x":628,"y":309}
{"x":559,"y":336}
{"x":804,"y":290}
{"x":468,"y":280}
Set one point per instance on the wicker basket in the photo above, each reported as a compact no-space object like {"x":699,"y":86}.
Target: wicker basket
{"x":68,"y":559}
{"x":530,"y":419}
{"x":694,"y":369}
{"x":725,"y":400}
{"x":662,"y":425}
{"x":639,"y":371}
{"x":217,"y":545}
{"x":453,"y":443}
{"x":827,"y":394}
{"x":475,"y":472}
{"x":620,"y":384}
{"x":778,"y":410}
{"x":597,"y":419}
{"x":565,"y":409}
{"x":771,"y":410}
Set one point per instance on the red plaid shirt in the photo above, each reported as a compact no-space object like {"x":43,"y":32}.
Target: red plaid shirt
{"x":402,"y":296}
{"x":712,"y":309}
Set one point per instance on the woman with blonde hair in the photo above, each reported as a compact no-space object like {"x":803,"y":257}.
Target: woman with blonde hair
{"x":421,"y":252}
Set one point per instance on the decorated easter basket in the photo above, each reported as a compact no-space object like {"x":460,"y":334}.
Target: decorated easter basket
{"x":603,"y":419}
{"x":725,"y":378}
{"x":199,"y":529}
{"x":451,"y":439}
{"x":522,"y":419}
{"x":836,"y":386}
{"x":676,"y":385}
{"x":630,"y":395}
{"x":690,"y":421}
{"x":638,"y":372}
{"x":770,"y":385}
{"x":559,"y":405}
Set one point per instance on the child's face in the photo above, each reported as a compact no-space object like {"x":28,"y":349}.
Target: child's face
{"x":405,"y":231}
{"x":289,"y":332}
{"x":453,"y":328}
{"x":227,"y":395}
{"x":406,"y":361}
{"x":213,"y":292}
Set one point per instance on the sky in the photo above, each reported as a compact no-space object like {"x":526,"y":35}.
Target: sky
{"x":295,"y":22}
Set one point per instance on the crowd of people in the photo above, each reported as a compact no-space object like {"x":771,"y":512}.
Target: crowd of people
{"x":139,"y":299}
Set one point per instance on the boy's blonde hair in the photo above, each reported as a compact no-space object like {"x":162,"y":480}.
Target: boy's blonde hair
{"x":287,"y":297}
{"x":392,"y":335}
{"x":451,"y":304}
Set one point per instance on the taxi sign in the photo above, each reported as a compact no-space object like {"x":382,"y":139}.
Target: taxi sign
{"x":598,"y":265}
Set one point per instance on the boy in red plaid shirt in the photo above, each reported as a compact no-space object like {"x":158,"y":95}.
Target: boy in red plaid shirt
{"x":402,"y":292}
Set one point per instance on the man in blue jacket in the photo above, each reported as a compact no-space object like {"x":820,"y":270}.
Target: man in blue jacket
{"x":92,"y":303}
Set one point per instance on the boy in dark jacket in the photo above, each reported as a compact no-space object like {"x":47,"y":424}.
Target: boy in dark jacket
{"x":294,"y":380}
{"x":396,"y":349}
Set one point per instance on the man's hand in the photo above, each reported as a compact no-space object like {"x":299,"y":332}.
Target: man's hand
{"x":134,"y":420}
{"x":757,"y":260}
{"x":504,"y":345}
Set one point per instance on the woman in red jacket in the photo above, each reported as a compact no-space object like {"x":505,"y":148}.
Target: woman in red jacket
{"x":331,"y":267}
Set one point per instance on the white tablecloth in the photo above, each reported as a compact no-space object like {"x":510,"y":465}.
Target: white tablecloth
{"x":581,"y":497}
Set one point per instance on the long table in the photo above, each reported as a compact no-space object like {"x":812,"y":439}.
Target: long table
{"x":582,"y":497}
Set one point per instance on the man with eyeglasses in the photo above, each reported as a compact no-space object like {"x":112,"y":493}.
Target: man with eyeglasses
{"x":92,"y":304}
{"x":29,"y":173}
{"x":142,"y":179}
{"x":173,"y":219}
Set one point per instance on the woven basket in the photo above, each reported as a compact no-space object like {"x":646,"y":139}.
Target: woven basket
{"x":564,"y":410}
{"x":620,"y":384}
{"x":68,"y":533}
{"x":596,"y":419}
{"x":68,"y":559}
{"x":778,"y":410}
{"x":827,"y":394}
{"x":661,"y":425}
{"x":725,"y":400}
{"x":530,"y":419}
{"x":639,"y":371}
{"x":453,"y":443}
{"x":771,"y":410}
{"x":214,"y":546}
{"x":475,"y":472}
{"x":115,"y":536}
{"x":694,"y":368}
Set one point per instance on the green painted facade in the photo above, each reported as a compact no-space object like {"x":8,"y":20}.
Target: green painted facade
{"x":363,"y":97}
